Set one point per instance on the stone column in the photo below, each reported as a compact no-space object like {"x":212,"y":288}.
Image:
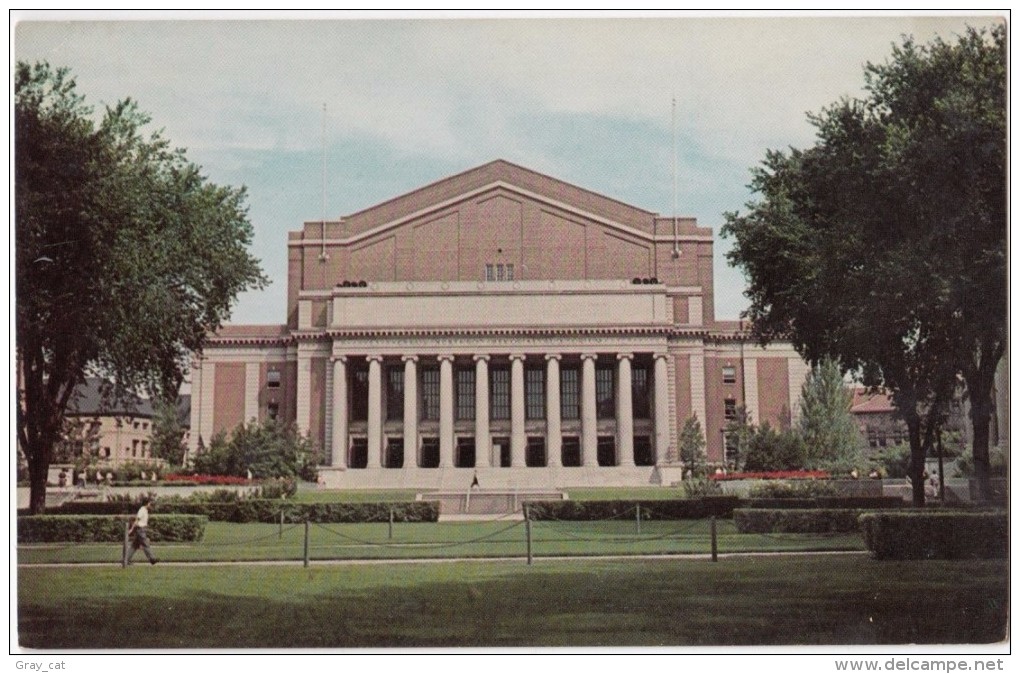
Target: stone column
{"x":553,"y":430}
{"x":483,"y":443}
{"x":410,"y":411}
{"x":518,"y":441}
{"x":303,"y":394}
{"x":338,"y":457}
{"x":446,"y":411}
{"x":375,"y":412}
{"x":624,"y":410}
{"x":662,"y":433}
{"x":589,"y":419}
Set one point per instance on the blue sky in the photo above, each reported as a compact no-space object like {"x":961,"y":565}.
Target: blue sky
{"x":410,"y":101}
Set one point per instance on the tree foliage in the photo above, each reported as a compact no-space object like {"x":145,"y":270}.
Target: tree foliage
{"x":884,"y":244}
{"x":269,"y":450}
{"x":167,"y":433}
{"x":126,"y":255}
{"x":769,"y":449}
{"x":692,"y":445}
{"x":830,"y":433}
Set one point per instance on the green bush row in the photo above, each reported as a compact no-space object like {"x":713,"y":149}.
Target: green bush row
{"x":795,"y":521}
{"x":825,"y":502}
{"x":105,"y":528}
{"x":936,"y":535}
{"x":709,"y":506}
{"x":264,"y":510}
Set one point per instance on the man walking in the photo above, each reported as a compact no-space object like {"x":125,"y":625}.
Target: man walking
{"x":139,"y":527}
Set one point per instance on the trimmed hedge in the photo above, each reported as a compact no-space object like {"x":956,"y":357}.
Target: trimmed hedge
{"x":709,"y":506}
{"x":795,"y":520}
{"x":936,"y":535}
{"x":826,"y":502}
{"x":266,"y":510}
{"x":106,"y":529}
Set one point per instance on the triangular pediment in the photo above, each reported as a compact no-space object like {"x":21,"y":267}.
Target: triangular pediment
{"x":501,"y":179}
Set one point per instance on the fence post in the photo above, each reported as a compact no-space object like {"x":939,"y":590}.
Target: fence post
{"x":715,"y":546}
{"x":391,"y":523}
{"x":639,"y":519}
{"x":306,"y":544}
{"x":281,"y":524}
{"x":527,"y":528}
{"x":124,"y":551}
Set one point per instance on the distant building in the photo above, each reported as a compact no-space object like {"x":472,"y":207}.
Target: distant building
{"x":114,"y":430}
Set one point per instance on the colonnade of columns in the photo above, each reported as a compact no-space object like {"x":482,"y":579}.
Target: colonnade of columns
{"x":624,"y":412}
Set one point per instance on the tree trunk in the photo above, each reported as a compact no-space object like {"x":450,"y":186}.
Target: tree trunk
{"x":981,"y":416}
{"x":916,"y":470}
{"x":38,"y":471}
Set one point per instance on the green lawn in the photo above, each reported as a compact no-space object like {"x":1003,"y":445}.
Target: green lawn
{"x":818,"y":599}
{"x":225,"y":541}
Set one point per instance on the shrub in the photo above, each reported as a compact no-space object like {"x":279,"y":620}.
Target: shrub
{"x":709,"y":506}
{"x":698,"y":487}
{"x":799,"y":489}
{"x":105,"y":528}
{"x":768,"y":449}
{"x":773,"y":475}
{"x":277,"y":489}
{"x":936,"y":535}
{"x":795,"y":521}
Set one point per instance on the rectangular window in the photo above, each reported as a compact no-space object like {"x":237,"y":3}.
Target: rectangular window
{"x":465,"y":395}
{"x":500,"y":272}
{"x":605,"y":393}
{"x":729,"y":374}
{"x":639,"y":393}
{"x":358,"y":457}
{"x":534,"y":393}
{"x":570,"y":394}
{"x":490,"y":272}
{"x":534,"y":452}
{"x":273,"y":410}
{"x":499,"y":394}
{"x":509,"y":272}
{"x":359,"y":394}
{"x":394,"y":457}
{"x":429,"y":452}
{"x":273,"y":379}
{"x":395,"y":394}
{"x":730,"y":409}
{"x":430,"y":394}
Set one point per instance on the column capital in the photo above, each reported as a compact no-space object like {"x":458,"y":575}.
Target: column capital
{"x":517,"y":356}
{"x":338,"y":359}
{"x":589,"y":356}
{"x":409,"y":358}
{"x":553,"y":356}
{"x":374,"y":356}
{"x":445,"y":356}
{"x":660,"y":354}
{"x":625,"y":356}
{"x":480,"y":356}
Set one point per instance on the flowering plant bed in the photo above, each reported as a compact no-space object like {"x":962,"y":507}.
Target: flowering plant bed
{"x":774,"y":475}
{"x":206,"y":479}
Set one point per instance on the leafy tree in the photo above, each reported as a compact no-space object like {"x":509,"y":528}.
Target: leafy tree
{"x":738,"y":433}
{"x":828,"y":428}
{"x":126,"y":256}
{"x":883,"y":245}
{"x":692,"y":445}
{"x":167,"y":433}
{"x":269,"y":450}
{"x":769,"y":449}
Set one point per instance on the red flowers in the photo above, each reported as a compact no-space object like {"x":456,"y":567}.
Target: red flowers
{"x":206,"y":479}
{"x":774,"y":475}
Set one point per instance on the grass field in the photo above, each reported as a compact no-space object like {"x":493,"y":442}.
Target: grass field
{"x":816,"y":599}
{"x":229,"y":542}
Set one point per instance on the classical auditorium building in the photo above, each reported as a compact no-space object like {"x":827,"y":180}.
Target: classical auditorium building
{"x":502,"y":324}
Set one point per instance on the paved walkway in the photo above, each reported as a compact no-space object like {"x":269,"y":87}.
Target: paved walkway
{"x":448,"y":560}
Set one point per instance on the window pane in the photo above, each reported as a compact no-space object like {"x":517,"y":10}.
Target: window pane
{"x":359,"y":395}
{"x":499,"y":394}
{"x":465,"y":394}
{"x":395,"y":394}
{"x":729,"y":374}
{"x":534,"y":393}
{"x":639,"y":393}
{"x":490,"y":273}
{"x":500,"y":272}
{"x":430,"y":394}
{"x":509,"y":272}
{"x":570,"y":401}
{"x":273,"y":378}
{"x":605,"y":393}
